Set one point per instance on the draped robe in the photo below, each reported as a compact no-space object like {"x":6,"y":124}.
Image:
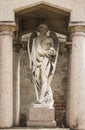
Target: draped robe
{"x":42,"y":66}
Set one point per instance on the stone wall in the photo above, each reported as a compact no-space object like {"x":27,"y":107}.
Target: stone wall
{"x":58,"y":84}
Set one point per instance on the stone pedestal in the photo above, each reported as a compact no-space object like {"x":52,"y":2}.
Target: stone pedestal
{"x":41,"y":117}
{"x":6,"y":75}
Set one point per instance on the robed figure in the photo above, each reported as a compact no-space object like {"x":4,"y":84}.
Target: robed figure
{"x":43,"y":52}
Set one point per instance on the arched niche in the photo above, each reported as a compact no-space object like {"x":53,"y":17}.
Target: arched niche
{"x":28,"y":19}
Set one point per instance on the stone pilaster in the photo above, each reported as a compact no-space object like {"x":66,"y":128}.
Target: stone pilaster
{"x":16,"y":83}
{"x":69,"y":50}
{"x":6,"y":74}
{"x":76,"y":86}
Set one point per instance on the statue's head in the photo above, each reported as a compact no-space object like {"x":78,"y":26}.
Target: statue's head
{"x":43,"y":28}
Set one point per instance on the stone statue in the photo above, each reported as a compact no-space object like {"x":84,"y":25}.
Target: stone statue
{"x":43,"y":52}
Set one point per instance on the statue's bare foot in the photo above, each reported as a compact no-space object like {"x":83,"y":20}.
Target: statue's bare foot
{"x":38,"y":102}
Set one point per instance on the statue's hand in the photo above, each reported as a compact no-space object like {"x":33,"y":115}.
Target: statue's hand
{"x":48,"y":54}
{"x":51,"y":52}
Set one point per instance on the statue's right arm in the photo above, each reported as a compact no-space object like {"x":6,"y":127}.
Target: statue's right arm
{"x":30,"y":45}
{"x":32,"y":36}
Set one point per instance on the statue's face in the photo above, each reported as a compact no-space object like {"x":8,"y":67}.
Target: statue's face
{"x":43,"y":28}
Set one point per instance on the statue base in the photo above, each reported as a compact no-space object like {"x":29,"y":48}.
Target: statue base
{"x":41,"y":116}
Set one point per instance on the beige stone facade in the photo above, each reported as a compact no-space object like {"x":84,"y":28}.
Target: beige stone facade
{"x":21,"y":17}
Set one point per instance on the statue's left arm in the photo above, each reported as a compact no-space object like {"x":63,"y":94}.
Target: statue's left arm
{"x":56,"y":47}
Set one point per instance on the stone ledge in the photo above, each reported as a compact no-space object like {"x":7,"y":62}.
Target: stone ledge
{"x":42,"y":123}
{"x":34,"y":128}
{"x":8,"y":26}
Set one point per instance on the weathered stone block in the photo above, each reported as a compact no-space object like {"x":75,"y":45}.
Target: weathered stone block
{"x":41,"y":116}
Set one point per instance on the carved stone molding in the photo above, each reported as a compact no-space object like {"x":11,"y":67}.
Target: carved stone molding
{"x":9,"y":26}
{"x":77,"y":29}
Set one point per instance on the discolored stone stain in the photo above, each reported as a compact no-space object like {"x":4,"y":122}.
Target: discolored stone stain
{"x":76,"y":124}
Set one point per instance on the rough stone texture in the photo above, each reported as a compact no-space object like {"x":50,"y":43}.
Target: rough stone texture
{"x":41,"y":116}
{"x":6,"y":87}
{"x":27,"y":90}
{"x":58,"y":83}
{"x":60,"y":107}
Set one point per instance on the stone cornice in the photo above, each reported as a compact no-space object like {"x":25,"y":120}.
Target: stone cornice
{"x":7,"y":26}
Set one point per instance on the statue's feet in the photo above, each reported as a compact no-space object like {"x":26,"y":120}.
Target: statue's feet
{"x":41,"y":101}
{"x":37,"y":102}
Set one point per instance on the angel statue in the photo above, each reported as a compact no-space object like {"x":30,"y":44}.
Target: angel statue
{"x":43,"y":52}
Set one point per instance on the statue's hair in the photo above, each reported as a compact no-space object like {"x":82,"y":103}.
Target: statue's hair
{"x":41,"y":25}
{"x":49,"y":39}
